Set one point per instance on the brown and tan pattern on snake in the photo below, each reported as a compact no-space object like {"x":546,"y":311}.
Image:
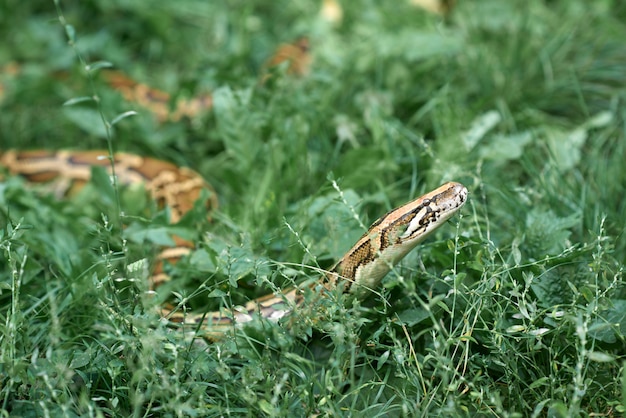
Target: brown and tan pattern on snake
{"x":158,"y":101}
{"x":169,"y":185}
{"x":67,"y":171}
{"x":357,"y":273}
{"x":360,"y":270}
{"x":296,"y":56}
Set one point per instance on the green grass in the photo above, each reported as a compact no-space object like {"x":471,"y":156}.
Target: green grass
{"x":516,"y":308}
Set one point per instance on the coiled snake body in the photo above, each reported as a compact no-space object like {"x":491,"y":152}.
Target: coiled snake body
{"x":359,"y":271}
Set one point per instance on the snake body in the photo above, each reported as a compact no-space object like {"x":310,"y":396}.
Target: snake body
{"x":357,"y":273}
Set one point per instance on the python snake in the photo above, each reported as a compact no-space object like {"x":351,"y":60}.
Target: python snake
{"x":358,"y":272}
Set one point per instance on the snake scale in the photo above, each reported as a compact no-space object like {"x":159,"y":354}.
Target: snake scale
{"x":357,"y":273}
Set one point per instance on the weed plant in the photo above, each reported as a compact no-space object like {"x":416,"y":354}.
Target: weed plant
{"x":513,"y":309}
